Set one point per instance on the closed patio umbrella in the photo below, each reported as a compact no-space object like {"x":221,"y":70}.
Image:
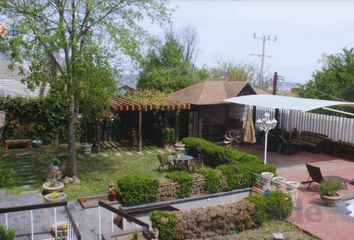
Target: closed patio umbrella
{"x":249,"y":132}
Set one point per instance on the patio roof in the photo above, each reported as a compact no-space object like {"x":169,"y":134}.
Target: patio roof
{"x":289,"y":103}
{"x":121,"y":104}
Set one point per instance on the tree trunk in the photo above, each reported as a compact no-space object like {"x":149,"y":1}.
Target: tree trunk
{"x":71,"y":163}
{"x":98,"y":134}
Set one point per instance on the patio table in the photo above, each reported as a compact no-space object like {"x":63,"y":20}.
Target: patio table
{"x":181,"y":161}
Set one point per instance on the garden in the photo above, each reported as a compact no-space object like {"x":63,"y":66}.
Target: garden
{"x":138,"y":181}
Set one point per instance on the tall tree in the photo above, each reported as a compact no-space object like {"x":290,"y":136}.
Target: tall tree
{"x":335,"y":79}
{"x":233,"y":72}
{"x":188,"y":39}
{"x":169,"y":65}
{"x":65,"y":29}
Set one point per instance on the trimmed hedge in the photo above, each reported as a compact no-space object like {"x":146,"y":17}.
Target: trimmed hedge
{"x":185,"y":181}
{"x":275,"y":206}
{"x":137,"y":189}
{"x":166,"y":223}
{"x":215,"y":155}
{"x":242,"y":175}
{"x":212,"y":179}
{"x":221,"y":220}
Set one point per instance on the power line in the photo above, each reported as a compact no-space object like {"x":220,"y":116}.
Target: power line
{"x":264,"y":38}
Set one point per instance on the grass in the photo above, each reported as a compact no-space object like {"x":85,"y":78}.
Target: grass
{"x":95,"y":172}
{"x":289,"y":231}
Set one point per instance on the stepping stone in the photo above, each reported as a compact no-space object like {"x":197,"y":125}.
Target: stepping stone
{"x":160,"y":151}
{"x":129,"y":153}
{"x":104,"y":154}
{"x":140,"y":153}
{"x":170,"y":150}
{"x":24,"y":154}
{"x":92,"y":154}
{"x":148,"y":152}
{"x":117,"y":154}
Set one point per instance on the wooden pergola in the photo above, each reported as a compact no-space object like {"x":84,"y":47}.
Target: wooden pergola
{"x":124,"y":105}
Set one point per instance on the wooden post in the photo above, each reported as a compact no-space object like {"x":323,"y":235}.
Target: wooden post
{"x":140,"y":130}
{"x":177,"y":113}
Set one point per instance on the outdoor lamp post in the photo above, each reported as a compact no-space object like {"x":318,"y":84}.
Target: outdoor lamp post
{"x":265,"y":125}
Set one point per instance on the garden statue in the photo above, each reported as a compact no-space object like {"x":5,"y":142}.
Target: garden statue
{"x":55,"y":170}
{"x":112,"y":192}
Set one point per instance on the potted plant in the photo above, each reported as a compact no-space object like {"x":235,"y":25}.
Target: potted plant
{"x":329,"y":192}
{"x":53,"y":185}
{"x":55,"y":197}
{"x":168,"y":137}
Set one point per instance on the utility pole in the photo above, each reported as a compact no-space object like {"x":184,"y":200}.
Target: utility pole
{"x":264,"y":38}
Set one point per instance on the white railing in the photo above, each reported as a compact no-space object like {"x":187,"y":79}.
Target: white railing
{"x":72,"y":230}
{"x":336,"y":128}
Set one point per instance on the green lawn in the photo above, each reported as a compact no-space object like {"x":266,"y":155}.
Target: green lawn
{"x":95,"y":172}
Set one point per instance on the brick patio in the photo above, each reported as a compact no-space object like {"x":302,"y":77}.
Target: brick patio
{"x":310,"y":215}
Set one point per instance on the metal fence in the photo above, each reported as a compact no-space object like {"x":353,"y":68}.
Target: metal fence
{"x":336,"y":128}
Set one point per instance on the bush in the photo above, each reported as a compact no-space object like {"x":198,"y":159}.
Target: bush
{"x":34,"y":118}
{"x":166,"y":223}
{"x":168,"y":136}
{"x":275,"y":206}
{"x":185,"y":181}
{"x":212,"y":179}
{"x":7,"y":233}
{"x":243,"y":174}
{"x":213,"y":221}
{"x":215,"y":155}
{"x":136,"y":189}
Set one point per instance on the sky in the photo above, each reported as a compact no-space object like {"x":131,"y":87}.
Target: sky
{"x":305,"y":30}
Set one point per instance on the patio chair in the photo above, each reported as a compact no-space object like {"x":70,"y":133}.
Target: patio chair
{"x":287,"y":147}
{"x":317,"y":177}
{"x":163,"y":160}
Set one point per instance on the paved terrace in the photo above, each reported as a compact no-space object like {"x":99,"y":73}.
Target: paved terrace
{"x":310,"y":215}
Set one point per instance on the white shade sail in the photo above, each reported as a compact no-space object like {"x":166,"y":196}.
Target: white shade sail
{"x":282,"y":102}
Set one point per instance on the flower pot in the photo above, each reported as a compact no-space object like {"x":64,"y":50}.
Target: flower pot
{"x":36,"y":143}
{"x":180,"y":147}
{"x":86,"y":148}
{"x":331,"y":201}
{"x":292,"y":185}
{"x":267,"y":176}
{"x":279,"y":181}
{"x":49,"y":189}
{"x":59,"y":197}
